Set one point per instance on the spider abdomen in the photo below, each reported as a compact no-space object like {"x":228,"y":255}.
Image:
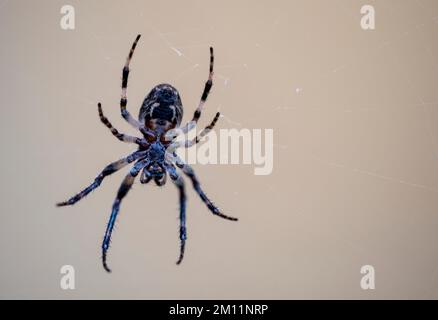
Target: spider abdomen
{"x":162,"y":108}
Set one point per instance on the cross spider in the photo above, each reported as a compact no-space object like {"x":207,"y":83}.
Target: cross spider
{"x":159,"y":122}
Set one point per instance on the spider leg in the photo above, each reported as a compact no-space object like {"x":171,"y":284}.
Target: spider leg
{"x":179,"y":182}
{"x":121,"y":136}
{"x":108,"y":170}
{"x":188,"y":171}
{"x":123,"y":190}
{"x":124,"y":100}
{"x":197,"y":139}
{"x":204,"y":96}
{"x":205,"y":131}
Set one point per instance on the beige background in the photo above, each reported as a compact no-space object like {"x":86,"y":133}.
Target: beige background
{"x":355,"y":177}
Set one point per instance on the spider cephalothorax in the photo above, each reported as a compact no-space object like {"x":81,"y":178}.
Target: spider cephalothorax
{"x":155,"y":158}
{"x":155,"y":169}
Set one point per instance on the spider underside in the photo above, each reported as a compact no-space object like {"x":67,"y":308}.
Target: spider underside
{"x":159,"y":122}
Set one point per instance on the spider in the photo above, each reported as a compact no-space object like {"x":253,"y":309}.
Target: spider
{"x":159,"y":122}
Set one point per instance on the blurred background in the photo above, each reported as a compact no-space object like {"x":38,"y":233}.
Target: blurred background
{"x":355,"y":178}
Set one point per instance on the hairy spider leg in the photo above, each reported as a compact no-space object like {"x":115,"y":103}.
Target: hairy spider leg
{"x":197,"y":139}
{"x":123,"y":190}
{"x":204,"y":97}
{"x":108,"y":170}
{"x":188,"y":171}
{"x":204,"y":132}
{"x":121,"y":136}
{"x":179,"y":183}
{"x":124,"y":99}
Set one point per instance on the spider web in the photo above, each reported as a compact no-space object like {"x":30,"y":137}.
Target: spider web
{"x":411,"y":30}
